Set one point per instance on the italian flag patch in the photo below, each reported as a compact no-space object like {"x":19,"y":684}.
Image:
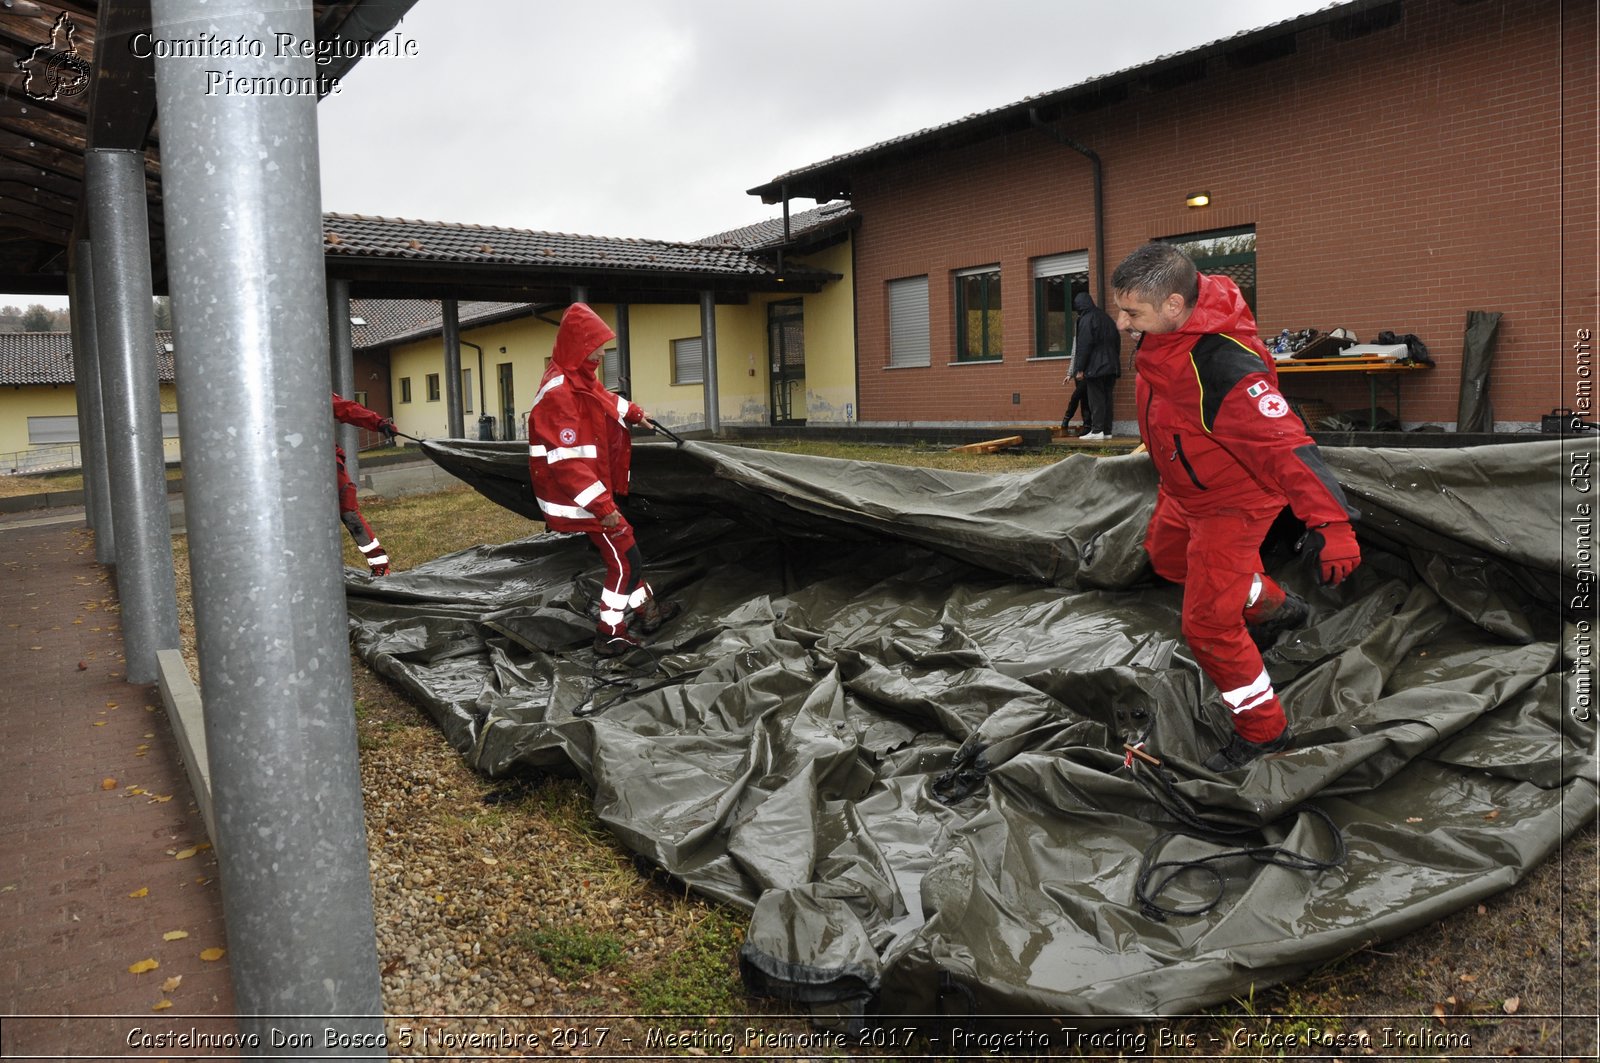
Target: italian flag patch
{"x":1256,"y":389}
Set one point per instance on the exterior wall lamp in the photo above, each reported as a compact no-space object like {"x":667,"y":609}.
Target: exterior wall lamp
{"x":1198,"y":199}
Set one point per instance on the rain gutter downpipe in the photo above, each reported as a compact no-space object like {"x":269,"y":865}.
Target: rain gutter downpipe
{"x":468,"y":343}
{"x":1099,"y":201}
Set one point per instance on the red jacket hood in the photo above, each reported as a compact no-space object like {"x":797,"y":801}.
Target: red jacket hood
{"x":580,"y":335}
{"x":1220,"y":307}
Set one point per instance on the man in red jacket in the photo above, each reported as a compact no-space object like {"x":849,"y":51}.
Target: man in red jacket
{"x":578,"y":455}
{"x":349,"y":509}
{"x":1230,"y":455}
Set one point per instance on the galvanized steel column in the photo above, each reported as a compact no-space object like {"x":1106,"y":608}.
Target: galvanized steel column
{"x":708,"y":349}
{"x":91,"y":405}
{"x":244,"y":247}
{"x":455,"y":424}
{"x":348,"y":436}
{"x":125,"y":336}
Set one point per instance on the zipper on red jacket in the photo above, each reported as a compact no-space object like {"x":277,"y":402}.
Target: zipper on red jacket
{"x":1179,"y":455}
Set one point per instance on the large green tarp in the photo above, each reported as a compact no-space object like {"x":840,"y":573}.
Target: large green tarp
{"x":891,"y":722}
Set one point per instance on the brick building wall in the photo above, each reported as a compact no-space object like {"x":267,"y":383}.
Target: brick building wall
{"x":1396,"y":181}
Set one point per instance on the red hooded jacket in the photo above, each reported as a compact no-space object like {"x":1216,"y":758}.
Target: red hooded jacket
{"x":578,"y":442}
{"x":1221,"y":434}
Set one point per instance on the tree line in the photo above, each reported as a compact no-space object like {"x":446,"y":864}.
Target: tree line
{"x":40,"y":318}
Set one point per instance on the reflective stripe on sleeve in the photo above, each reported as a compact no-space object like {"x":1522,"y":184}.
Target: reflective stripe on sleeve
{"x":622,"y":409}
{"x":590,"y":493}
{"x":556,"y":509}
{"x":565,"y":453}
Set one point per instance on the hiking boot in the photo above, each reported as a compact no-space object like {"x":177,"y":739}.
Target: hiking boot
{"x":1291,"y":614}
{"x":614,"y":645}
{"x":1241,"y":751}
{"x":653,"y":613}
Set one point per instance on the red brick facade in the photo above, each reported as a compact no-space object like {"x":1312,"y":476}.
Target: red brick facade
{"x":1398,"y":180}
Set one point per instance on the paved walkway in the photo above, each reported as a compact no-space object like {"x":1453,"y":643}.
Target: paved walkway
{"x":104,"y":863}
{"x":104,"y":860}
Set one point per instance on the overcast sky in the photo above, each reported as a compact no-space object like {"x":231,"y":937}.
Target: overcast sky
{"x":650,"y":118}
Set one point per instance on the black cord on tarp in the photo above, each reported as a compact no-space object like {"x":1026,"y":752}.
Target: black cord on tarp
{"x":1155,"y":876}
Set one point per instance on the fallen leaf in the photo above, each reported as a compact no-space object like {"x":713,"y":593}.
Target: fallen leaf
{"x":160,"y":799}
{"x":142,"y":891}
{"x":489,"y":860}
{"x":1493,"y":815}
{"x":111,"y":704}
{"x":1511,"y":1005}
{"x":136,"y":789}
{"x":213,"y":954}
{"x":82,"y":667}
{"x":1469,"y":978}
{"x":172,"y":983}
{"x":1438,"y":1011}
{"x":142,"y":966}
{"x":185,"y":853}
{"x":161,"y":1005}
{"x":108,"y":783}
{"x":1483,"y":909}
{"x":1413,"y":819}
{"x":99,"y":723}
{"x":174,"y":935}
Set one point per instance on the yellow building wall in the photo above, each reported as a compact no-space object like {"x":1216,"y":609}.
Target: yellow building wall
{"x":831,"y":342}
{"x":18,"y":403}
{"x":744,"y":374}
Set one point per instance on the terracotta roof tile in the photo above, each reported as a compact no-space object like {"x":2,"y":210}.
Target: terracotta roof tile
{"x":373,"y":237}
{"x":46,"y":357}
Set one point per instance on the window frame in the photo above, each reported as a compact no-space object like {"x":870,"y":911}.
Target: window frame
{"x":431,"y":381}
{"x":990,"y":312}
{"x":405,"y":391}
{"x":906,"y":301}
{"x":681,"y":345}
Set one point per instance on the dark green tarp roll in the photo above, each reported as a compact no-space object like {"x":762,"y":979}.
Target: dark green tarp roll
{"x":890,"y":723}
{"x":1474,"y":410}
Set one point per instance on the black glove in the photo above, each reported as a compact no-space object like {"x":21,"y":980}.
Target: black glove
{"x":386,"y":426}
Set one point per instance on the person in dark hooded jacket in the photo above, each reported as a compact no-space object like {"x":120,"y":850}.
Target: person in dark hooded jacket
{"x":1096,"y":363}
{"x":1229,"y":454}
{"x":579,"y":451}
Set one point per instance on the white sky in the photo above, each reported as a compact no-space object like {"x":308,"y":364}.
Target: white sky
{"x":650,"y":118}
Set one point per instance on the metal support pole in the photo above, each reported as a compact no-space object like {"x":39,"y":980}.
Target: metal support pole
{"x":347,"y":436}
{"x":244,"y":247}
{"x":624,"y":353}
{"x":125,"y":334}
{"x":457,"y":428}
{"x":708,"y":343}
{"x":91,"y":405}
{"x":580,"y":293}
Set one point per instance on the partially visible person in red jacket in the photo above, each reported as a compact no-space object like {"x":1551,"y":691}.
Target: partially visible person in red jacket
{"x":579,"y":450}
{"x":349,"y":509}
{"x":1230,"y":455}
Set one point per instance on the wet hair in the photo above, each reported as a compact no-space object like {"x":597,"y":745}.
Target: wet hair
{"x":1156,"y":271}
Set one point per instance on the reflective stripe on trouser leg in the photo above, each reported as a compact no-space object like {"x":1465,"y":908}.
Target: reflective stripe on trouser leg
{"x":623,"y":576}
{"x":1222,"y":561}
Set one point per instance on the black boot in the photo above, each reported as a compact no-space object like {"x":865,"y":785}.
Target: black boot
{"x":1288,"y":616}
{"x":1241,"y":751}
{"x":654,"y":613}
